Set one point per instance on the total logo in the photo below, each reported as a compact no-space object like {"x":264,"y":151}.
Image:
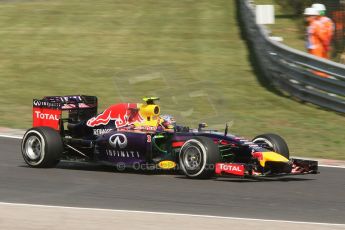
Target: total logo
{"x":46,"y":116}
{"x":118,"y":140}
{"x":226,"y":167}
{"x":235,"y":169}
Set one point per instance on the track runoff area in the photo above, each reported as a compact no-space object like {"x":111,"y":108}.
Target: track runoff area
{"x":21,"y":216}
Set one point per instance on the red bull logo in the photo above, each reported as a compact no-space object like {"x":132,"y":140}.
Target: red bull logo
{"x":123,"y":114}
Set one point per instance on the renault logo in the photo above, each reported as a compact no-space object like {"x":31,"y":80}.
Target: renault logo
{"x":118,"y":140}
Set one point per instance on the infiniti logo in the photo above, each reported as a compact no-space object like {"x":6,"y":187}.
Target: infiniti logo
{"x":37,"y":103}
{"x":118,"y":140}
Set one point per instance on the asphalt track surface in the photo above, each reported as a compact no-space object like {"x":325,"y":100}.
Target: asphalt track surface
{"x":311,"y":198}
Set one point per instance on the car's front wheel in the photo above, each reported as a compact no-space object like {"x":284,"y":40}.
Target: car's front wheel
{"x":42,"y":147}
{"x":273,"y":142}
{"x":198,"y":156}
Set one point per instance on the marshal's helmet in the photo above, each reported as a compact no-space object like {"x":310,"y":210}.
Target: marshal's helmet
{"x":311,"y":12}
{"x":321,"y":8}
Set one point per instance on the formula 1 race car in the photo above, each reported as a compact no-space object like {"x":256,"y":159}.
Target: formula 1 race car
{"x":135,"y":134}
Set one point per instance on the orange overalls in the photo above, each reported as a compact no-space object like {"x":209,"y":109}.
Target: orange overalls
{"x":327,"y":27}
{"x":315,"y":38}
{"x":316,"y":42}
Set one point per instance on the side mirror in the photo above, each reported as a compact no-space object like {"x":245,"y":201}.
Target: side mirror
{"x":201,"y":126}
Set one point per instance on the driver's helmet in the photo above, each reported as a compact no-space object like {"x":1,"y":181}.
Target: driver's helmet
{"x":167,"y":121}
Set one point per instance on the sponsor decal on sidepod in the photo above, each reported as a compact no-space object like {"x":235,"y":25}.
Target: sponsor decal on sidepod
{"x":117,"y":141}
{"x":101,"y":131}
{"x":122,"y":153}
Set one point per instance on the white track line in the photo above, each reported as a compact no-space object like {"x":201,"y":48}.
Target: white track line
{"x":169,"y":214}
{"x":333,"y":166}
{"x":11,"y":136}
{"x":320,"y":165}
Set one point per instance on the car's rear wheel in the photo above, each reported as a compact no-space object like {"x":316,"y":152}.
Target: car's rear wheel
{"x":198,"y":156}
{"x":42,"y":147}
{"x":273,"y":142}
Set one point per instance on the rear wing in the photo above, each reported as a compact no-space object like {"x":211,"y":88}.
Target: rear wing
{"x":48,"y":111}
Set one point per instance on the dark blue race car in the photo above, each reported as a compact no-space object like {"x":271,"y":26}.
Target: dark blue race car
{"x":136,"y":134}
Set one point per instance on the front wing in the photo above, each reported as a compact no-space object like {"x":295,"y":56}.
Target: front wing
{"x":294,"y":167}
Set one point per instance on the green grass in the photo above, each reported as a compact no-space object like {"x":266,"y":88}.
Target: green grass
{"x":189,"y":53}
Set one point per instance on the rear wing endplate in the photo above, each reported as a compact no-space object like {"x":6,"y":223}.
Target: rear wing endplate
{"x":48,"y":111}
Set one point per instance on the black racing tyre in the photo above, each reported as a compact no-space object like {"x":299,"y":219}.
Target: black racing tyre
{"x":42,"y":147}
{"x":198,"y":156}
{"x":273,"y":142}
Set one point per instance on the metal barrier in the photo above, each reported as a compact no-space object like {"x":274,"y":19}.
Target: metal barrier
{"x":293,"y":71}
